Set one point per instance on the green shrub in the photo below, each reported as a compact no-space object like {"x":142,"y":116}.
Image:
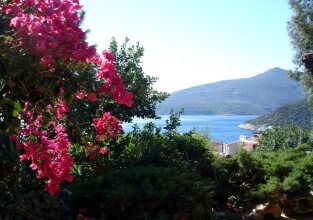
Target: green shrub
{"x":251,"y":178}
{"x":289,"y":136}
{"x":286,"y":171}
{"x":150,"y":146}
{"x":237,"y":178}
{"x":301,"y":177}
{"x":35,"y":205}
{"x":145,"y":193}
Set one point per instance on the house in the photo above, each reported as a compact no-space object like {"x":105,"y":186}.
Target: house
{"x":233,"y":147}
{"x":226,"y":148}
{"x":249,"y":143}
{"x":219,"y":146}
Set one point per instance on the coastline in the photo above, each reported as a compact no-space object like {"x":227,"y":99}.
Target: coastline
{"x":256,"y":128}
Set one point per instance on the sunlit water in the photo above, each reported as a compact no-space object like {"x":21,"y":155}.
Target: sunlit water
{"x":219,"y":127}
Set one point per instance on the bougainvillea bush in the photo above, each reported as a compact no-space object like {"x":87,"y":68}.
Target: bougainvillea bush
{"x":45,"y":66}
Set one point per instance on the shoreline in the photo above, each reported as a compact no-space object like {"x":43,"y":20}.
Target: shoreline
{"x":256,"y":128}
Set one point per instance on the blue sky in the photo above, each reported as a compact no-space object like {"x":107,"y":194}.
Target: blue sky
{"x":189,"y":43}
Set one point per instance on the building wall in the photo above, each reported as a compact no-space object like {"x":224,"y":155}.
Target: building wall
{"x":233,"y":147}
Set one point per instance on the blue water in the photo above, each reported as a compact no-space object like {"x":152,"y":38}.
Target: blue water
{"x":219,"y":127}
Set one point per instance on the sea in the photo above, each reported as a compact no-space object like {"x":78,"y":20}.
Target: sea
{"x":222,"y":128}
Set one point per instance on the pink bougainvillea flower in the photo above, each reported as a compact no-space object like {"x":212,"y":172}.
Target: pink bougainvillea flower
{"x":92,"y":97}
{"x":92,"y":155}
{"x":14,"y":138}
{"x":108,"y":126}
{"x":47,"y":148}
{"x":228,"y":204}
{"x":80,"y":94}
{"x":51,"y":26}
{"x":49,"y":108}
{"x":47,"y":60}
{"x":96,"y":147}
{"x":112,"y":80}
{"x":62,"y":107}
{"x":41,"y":46}
{"x":61,"y":91}
{"x":104,"y":150}
{"x":53,"y":44}
{"x":88,"y":144}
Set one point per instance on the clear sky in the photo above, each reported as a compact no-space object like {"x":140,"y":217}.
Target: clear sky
{"x":193,"y":42}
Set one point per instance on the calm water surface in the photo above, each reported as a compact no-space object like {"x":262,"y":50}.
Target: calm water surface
{"x":220,"y":127}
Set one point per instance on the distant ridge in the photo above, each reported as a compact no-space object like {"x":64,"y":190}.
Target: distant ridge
{"x":257,"y":95}
{"x":297,"y":113}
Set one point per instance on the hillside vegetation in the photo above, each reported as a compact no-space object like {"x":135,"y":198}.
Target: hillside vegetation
{"x":296,"y":112}
{"x":257,"y":95}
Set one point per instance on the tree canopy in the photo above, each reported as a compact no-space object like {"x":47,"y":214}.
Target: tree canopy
{"x":300,"y":29}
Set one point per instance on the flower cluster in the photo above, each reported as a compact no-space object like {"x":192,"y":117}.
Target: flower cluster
{"x":47,"y":148}
{"x":82,"y":94}
{"x":112,"y":79}
{"x":93,"y":149}
{"x":108,"y":125}
{"x":49,"y":28}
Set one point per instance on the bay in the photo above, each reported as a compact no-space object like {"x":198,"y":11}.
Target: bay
{"x":219,"y":127}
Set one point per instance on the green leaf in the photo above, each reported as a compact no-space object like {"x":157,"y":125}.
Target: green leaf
{"x":14,"y":113}
{"x":17,"y":106}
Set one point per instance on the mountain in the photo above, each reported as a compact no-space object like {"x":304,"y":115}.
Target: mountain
{"x":257,"y":95}
{"x":295,"y":112}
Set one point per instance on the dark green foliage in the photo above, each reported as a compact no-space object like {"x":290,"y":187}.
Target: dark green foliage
{"x":36,"y":205}
{"x":151,"y":175}
{"x":251,"y":178}
{"x":128,"y":64}
{"x":247,"y":179}
{"x":145,"y":193}
{"x":300,"y":29}
{"x":173,"y":123}
{"x":296,"y":113}
{"x":251,"y":96}
{"x":301,"y":177}
{"x":151,"y":147}
{"x":285,"y":137}
{"x":237,"y":178}
{"x":286,"y":172}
